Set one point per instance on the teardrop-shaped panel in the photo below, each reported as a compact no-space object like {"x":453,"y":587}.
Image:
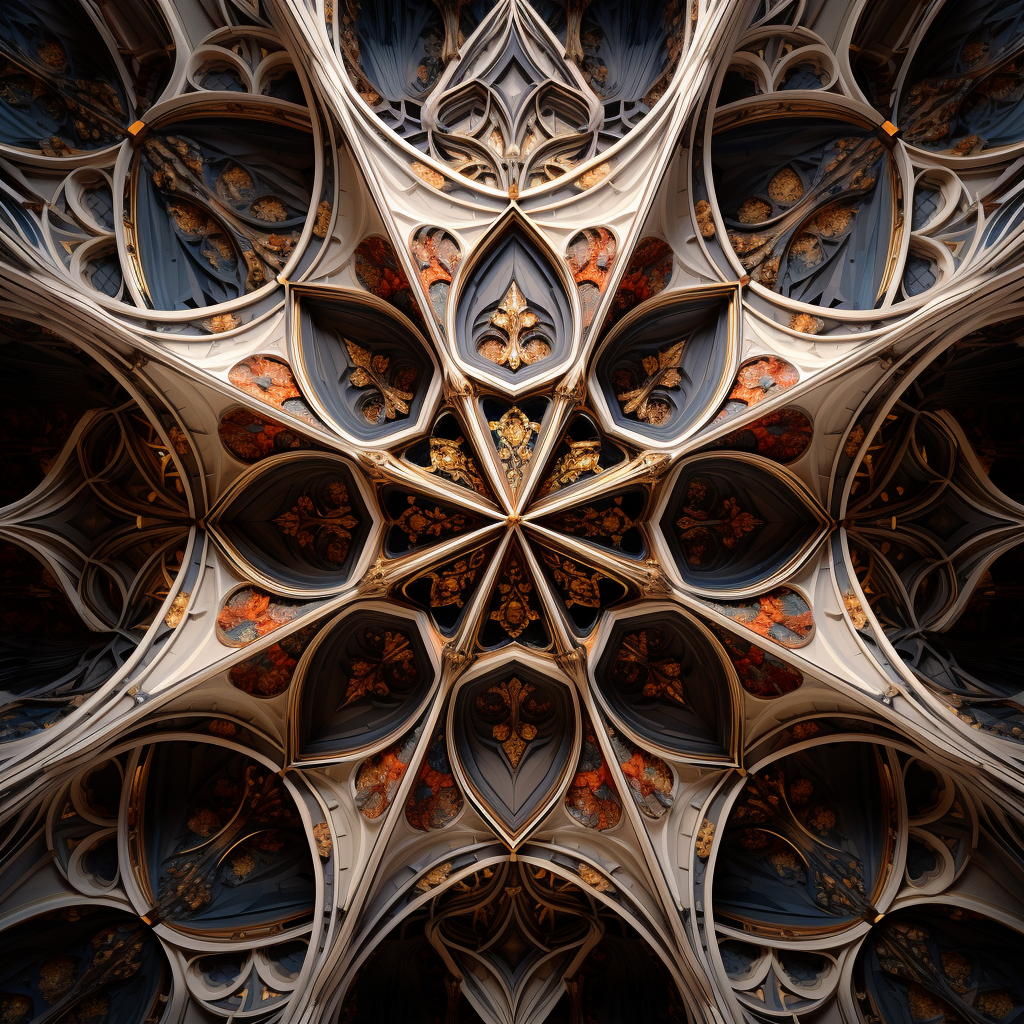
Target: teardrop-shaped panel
{"x":816,"y":217}
{"x":663,"y":369}
{"x":219,"y":207}
{"x":83,"y":962}
{"x":730,"y":524}
{"x":513,"y":315}
{"x":663,"y":676}
{"x":367,"y":365}
{"x":513,"y":734}
{"x":808,"y":843}
{"x":221,"y":847}
{"x":62,"y":93}
{"x":593,"y":799}
{"x":367,"y":678}
{"x":761,"y":673}
{"x":302,"y":522}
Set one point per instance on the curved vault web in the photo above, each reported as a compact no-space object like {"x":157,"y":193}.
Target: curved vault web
{"x":511,"y":512}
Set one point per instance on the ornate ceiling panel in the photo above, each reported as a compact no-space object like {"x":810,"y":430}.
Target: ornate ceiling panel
{"x":511,"y":512}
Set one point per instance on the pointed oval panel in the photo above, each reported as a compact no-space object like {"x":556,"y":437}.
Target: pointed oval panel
{"x":366,"y":680}
{"x":663,"y":676}
{"x":365,"y":363}
{"x":731,"y":524}
{"x":513,"y":317}
{"x":514,"y":745}
{"x":301,"y":522}
{"x":666,"y":365}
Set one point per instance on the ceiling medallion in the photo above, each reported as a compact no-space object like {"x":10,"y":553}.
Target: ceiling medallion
{"x":511,"y":512}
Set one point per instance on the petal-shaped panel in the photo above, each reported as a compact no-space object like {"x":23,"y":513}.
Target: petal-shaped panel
{"x":513,"y":735}
{"x":664,"y":677}
{"x":731,"y":523}
{"x":303,"y":522}
{"x":366,"y":364}
{"x":366,"y":679}
{"x":513,"y":316}
{"x":663,"y":368}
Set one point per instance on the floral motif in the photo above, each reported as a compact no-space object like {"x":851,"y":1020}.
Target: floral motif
{"x":515,"y":320}
{"x":384,"y":662}
{"x":514,"y":434}
{"x":389,"y":389}
{"x":590,"y":256}
{"x":755,"y":381}
{"x":514,"y":715}
{"x":761,"y":673}
{"x":649,"y":271}
{"x":593,"y":799}
{"x":322,"y":523}
{"x":640,"y":397}
{"x":637,"y":663}
{"x":515,"y":610}
{"x":449,"y":584}
{"x":379,"y":777}
{"x":578,"y":586}
{"x":582,"y":457}
{"x":649,"y":779}
{"x":782,"y":436}
{"x":437,"y":254}
{"x":271,"y":381}
{"x":611,"y":522}
{"x":251,"y":437}
{"x":377,"y":269}
{"x":419,"y":521}
{"x":448,"y":459}
{"x":269,"y":673}
{"x":733,"y":522}
{"x":434,"y":800}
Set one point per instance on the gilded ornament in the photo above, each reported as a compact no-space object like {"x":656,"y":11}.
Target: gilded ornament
{"x":786,"y":187}
{"x":612,"y":523}
{"x":855,"y":609}
{"x":323,"y":839}
{"x":590,"y":178}
{"x":427,"y":174}
{"x":642,"y":660}
{"x":514,"y":433}
{"x":434,"y":877}
{"x":385,"y":660}
{"x":389,"y":394}
{"x":418,"y":521}
{"x":515,"y":609}
{"x":177,"y":610}
{"x":582,"y":457}
{"x":705,"y":839}
{"x":662,"y":371}
{"x":705,"y":219}
{"x":448,"y":459}
{"x":578,"y":586}
{"x":514,"y":319}
{"x":322,"y":222}
{"x":515,"y":730}
{"x":594,"y":878}
{"x":448,"y":585}
{"x":753,"y":211}
{"x":324,"y":524}
{"x":221,"y":323}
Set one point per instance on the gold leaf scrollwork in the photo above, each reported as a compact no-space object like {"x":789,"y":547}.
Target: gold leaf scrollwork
{"x":515,"y":729}
{"x":582,"y":457}
{"x":515,"y":610}
{"x":448,"y":459}
{"x":449,"y":584}
{"x":577,"y":585}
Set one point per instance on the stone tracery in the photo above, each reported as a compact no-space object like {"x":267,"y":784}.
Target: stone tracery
{"x":511,"y":512}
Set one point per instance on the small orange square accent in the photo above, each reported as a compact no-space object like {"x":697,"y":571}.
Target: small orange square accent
{"x":889,"y":128}
{"x":135,"y":127}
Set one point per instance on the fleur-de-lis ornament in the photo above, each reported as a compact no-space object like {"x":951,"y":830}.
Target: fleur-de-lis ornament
{"x":372,"y":372}
{"x":662,"y":371}
{"x":514,"y":318}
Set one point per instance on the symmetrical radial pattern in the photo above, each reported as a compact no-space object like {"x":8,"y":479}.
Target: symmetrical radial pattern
{"x":512,"y":511}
